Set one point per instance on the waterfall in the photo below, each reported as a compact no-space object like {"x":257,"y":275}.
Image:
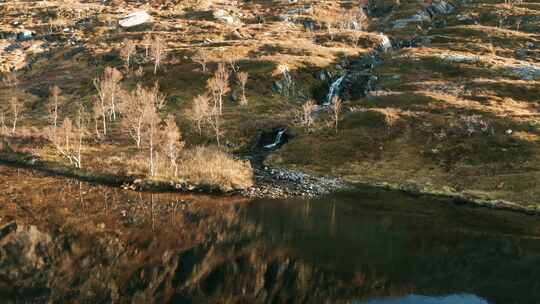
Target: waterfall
{"x":334,"y":90}
{"x":277,"y":140}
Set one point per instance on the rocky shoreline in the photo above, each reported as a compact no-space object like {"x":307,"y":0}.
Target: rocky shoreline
{"x":274,"y":183}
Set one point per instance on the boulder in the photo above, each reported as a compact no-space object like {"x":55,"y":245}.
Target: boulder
{"x":135,"y":19}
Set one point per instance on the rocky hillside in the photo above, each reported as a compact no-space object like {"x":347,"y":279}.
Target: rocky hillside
{"x":438,"y":96}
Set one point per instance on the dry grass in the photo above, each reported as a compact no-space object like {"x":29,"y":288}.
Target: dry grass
{"x":210,"y":166}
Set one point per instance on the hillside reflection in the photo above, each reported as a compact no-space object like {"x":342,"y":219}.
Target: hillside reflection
{"x":66,"y":241}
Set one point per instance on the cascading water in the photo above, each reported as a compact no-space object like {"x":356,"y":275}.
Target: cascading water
{"x":334,"y":90}
{"x":277,"y":140}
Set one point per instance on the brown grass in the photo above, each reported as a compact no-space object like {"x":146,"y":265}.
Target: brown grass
{"x":210,"y":166}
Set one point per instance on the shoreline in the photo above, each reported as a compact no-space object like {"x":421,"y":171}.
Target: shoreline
{"x":273,"y":183}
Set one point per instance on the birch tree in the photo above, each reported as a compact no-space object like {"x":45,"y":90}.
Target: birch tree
{"x":201,"y":58}
{"x":200,"y":111}
{"x":15,"y":109}
{"x":68,"y":140}
{"x":127,"y":52}
{"x":219,"y":86}
{"x":108,"y":88}
{"x":336,"y":109}
{"x":157,"y":50}
{"x":242,"y":79}
{"x":54,"y":103}
{"x":173,"y":143}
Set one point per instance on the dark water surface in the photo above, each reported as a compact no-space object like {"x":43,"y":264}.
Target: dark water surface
{"x":65,"y":241}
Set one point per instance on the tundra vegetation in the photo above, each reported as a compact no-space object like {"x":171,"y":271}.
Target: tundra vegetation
{"x":447,"y":104}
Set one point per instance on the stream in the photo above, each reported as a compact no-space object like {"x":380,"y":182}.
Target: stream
{"x":67,"y":241}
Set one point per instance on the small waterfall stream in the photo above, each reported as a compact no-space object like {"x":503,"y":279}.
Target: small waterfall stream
{"x":277,"y":140}
{"x":334,"y":90}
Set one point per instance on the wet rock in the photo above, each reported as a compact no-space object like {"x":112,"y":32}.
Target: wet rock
{"x":7,"y":229}
{"x":280,"y":183}
{"x":385,"y":44}
{"x":440,"y":8}
{"x":416,"y":18}
{"x":521,"y":53}
{"x":524,"y":71}
{"x":25,"y":35}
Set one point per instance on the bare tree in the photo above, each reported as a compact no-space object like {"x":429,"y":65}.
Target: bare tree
{"x":127,"y":51}
{"x":15,"y":109}
{"x":200,"y":111}
{"x":219,"y":86}
{"x":3,"y":127}
{"x":151,"y":130}
{"x":158,"y":51}
{"x":307,"y":114}
{"x":54,"y":103}
{"x":68,"y":140}
{"x":133,"y":107}
{"x":202,"y":58}
{"x":146,"y":42}
{"x":80,"y":132}
{"x":215,"y":122}
{"x":336,"y":109}
{"x":98,"y":112}
{"x":11,"y":80}
{"x":173,"y":143}
{"x":108,"y":87}
{"x":242,"y":79}
{"x":232,"y":58}
{"x":152,"y":133}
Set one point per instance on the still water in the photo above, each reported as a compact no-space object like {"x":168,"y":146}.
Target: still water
{"x":71,"y":242}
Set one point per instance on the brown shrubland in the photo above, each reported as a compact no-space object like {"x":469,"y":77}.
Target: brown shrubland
{"x":211,"y":166}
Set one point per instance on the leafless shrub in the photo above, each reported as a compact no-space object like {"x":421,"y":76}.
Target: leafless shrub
{"x":139,"y":73}
{"x":202,"y":58}
{"x":242,"y":79}
{"x":474,"y":124}
{"x":210,"y":166}
{"x":352,"y":19}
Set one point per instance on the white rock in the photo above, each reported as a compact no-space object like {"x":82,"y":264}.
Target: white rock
{"x":134,"y":19}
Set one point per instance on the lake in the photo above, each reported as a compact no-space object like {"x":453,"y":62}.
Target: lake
{"x":67,"y":241}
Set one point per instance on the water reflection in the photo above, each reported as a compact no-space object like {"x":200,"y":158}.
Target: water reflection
{"x":99,"y":244}
{"x":416,"y":299}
